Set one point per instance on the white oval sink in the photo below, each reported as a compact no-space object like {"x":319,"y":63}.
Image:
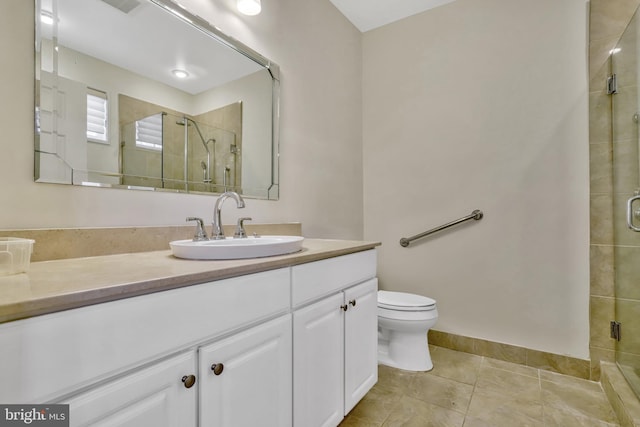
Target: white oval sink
{"x":230,"y":248}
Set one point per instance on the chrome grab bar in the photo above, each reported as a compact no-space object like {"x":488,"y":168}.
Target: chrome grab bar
{"x":477,"y":214}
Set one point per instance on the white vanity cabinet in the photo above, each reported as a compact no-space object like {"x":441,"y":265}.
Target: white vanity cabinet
{"x":334,"y":337}
{"x":245,"y":380}
{"x":293,"y":346}
{"x":61,"y":356}
{"x":241,"y":380}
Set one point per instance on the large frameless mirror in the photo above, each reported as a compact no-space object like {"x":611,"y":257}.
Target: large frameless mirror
{"x":142,"y":94}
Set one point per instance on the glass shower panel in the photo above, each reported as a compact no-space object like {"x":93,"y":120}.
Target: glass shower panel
{"x":199,"y":157}
{"x":173,"y":149}
{"x":140,"y":166}
{"x":626,"y":184}
{"x":213,"y":165}
{"x":181,"y":153}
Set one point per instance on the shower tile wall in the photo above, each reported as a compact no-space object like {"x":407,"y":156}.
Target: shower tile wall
{"x":625,"y":183}
{"x":228,"y":118}
{"x":173,"y":154}
{"x":608,"y":20}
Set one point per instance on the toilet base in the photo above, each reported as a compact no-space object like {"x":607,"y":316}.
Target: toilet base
{"x":402,"y":350}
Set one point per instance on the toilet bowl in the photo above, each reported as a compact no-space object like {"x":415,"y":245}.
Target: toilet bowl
{"x":403,"y":322}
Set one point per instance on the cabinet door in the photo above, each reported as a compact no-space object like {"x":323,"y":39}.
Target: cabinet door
{"x":318,"y":361}
{"x":250,"y":384}
{"x":155,"y":396}
{"x":360,"y":342}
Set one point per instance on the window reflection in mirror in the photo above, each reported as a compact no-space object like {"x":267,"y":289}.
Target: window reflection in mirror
{"x":111,"y":112}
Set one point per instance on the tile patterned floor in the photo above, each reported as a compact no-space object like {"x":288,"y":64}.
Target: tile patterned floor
{"x":465,"y":390}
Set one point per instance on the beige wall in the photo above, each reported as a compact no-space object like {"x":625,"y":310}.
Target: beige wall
{"x":482,"y":104}
{"x":318,"y":51}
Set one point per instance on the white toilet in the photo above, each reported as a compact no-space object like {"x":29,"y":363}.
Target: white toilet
{"x":403,"y":322}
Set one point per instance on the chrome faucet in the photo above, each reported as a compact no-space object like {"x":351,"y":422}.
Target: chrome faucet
{"x":216,"y":232}
{"x":241,"y":233}
{"x":200,"y":234}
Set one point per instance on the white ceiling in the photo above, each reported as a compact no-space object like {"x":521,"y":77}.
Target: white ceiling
{"x":369,"y":14}
{"x":146,"y":40}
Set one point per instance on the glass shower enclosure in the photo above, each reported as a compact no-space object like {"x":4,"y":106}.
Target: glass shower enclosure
{"x":176,"y":152}
{"x":625,"y":150}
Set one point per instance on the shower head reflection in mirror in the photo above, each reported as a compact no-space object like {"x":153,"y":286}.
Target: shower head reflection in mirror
{"x":205,"y":166}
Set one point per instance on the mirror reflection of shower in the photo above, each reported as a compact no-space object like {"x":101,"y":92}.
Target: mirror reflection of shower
{"x":206,"y":167}
{"x":177,"y":152}
{"x":158,"y":151}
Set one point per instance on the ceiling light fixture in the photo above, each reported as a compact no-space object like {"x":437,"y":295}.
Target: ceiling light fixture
{"x":249,"y":7}
{"x":181,"y":74}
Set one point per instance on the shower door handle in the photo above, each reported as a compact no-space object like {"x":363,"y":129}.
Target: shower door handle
{"x":630,"y":213}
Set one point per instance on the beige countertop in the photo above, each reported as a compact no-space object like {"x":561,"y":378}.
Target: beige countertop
{"x":52,"y":286}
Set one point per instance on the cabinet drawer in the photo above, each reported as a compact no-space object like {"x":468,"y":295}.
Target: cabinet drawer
{"x":317,"y":279}
{"x":150,"y":397}
{"x":48,"y":356}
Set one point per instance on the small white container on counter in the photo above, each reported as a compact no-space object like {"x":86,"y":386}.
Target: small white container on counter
{"x":15,"y":255}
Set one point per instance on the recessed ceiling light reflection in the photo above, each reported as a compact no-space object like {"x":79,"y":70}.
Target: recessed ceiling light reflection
{"x":249,"y":7}
{"x":181,"y":74}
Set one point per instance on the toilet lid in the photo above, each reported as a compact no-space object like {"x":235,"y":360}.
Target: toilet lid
{"x":404,"y":301}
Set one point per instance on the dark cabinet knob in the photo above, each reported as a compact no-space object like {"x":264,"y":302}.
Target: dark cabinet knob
{"x":344,"y":307}
{"x":352,"y":302}
{"x":189,"y":380}
{"x":217,"y":368}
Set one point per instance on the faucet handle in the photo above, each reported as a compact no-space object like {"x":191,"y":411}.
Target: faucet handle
{"x":200,"y":233}
{"x":240,"y":233}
